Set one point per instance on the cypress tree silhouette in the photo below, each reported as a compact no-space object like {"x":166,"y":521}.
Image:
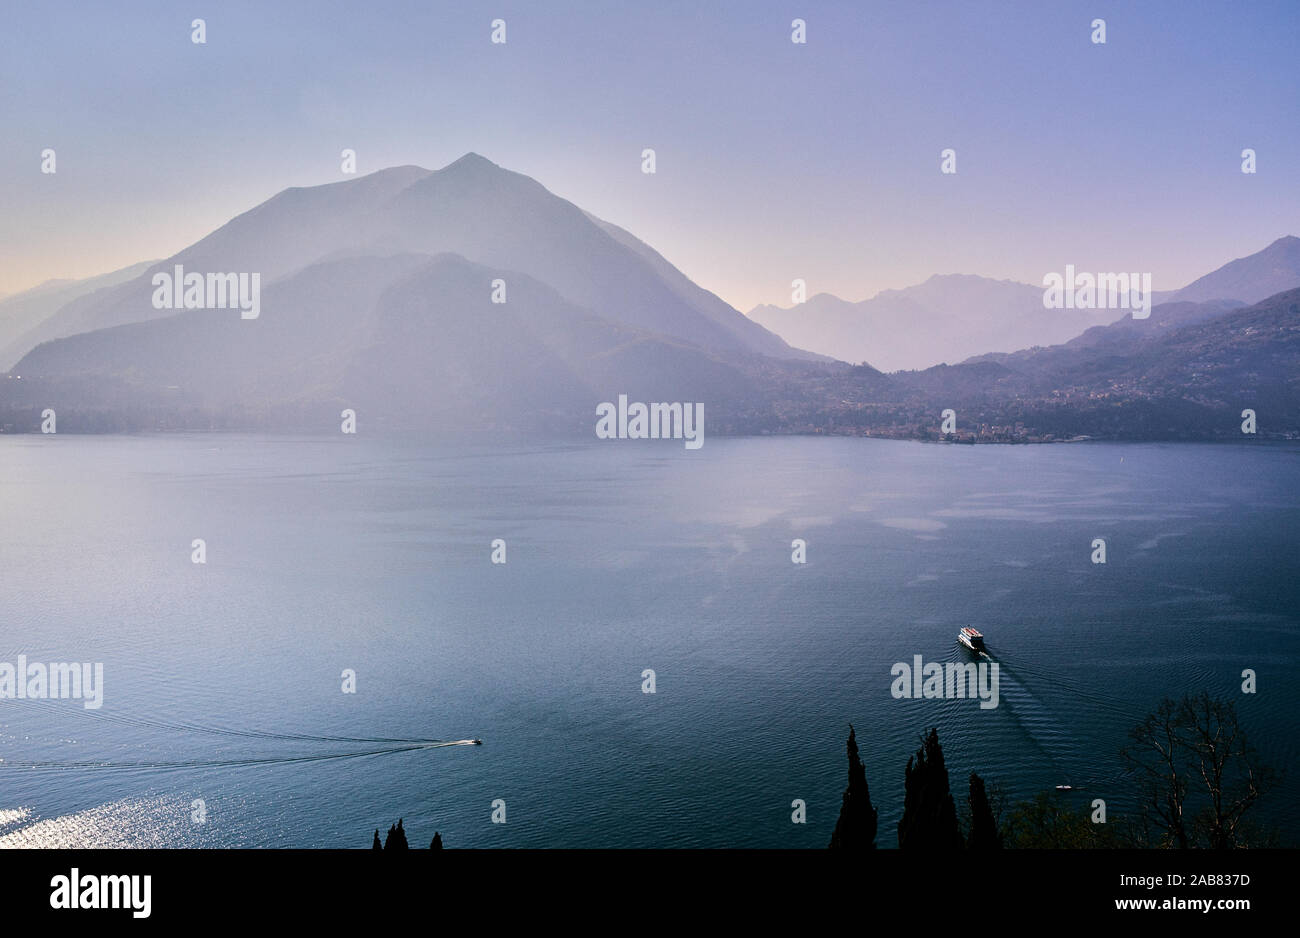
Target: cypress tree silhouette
{"x":396,"y":839}
{"x":929,"y":815}
{"x":856,"y":827}
{"x":983,"y":829}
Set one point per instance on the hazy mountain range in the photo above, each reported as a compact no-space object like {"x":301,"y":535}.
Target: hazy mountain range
{"x":405,"y":339}
{"x":1188,"y":377}
{"x":23,"y":314}
{"x":377,"y":294}
{"x":1187,"y":372}
{"x":946,"y":319}
{"x":950,"y":318}
{"x":473,"y":208}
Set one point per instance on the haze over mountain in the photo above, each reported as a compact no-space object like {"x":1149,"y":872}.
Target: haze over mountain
{"x":956,"y":317}
{"x":1123,"y":334}
{"x":21,"y":314}
{"x":1249,"y":279}
{"x":406,"y":339}
{"x":377,"y":294}
{"x":471,"y":207}
{"x":1185,"y":373}
{"x":948,"y":318}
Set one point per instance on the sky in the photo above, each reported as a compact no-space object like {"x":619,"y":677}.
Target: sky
{"x":775,"y":160}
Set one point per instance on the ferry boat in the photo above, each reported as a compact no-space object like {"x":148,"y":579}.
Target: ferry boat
{"x":971,"y":638}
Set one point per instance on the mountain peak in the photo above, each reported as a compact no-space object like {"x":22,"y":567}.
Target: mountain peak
{"x":470,"y":161}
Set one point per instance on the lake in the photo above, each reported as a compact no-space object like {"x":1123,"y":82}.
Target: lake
{"x":223,"y":681}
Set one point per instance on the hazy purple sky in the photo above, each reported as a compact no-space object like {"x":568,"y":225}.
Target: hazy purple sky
{"x":775,"y":160}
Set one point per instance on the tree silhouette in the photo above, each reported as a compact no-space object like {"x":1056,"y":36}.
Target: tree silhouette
{"x":856,"y":827}
{"x":929,"y":815}
{"x":396,"y":839}
{"x":983,"y":828}
{"x":1197,"y":774}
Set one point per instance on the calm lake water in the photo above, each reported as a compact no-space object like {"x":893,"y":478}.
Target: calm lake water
{"x":222,"y":681}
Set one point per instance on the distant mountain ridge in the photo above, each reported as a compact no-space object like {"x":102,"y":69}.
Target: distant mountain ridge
{"x":1121,"y":336}
{"x":22,"y":314}
{"x":1187,"y":372}
{"x":948,"y":318}
{"x":954,"y":317}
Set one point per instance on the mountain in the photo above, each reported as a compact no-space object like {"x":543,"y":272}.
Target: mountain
{"x":948,"y":318}
{"x":956,"y":317}
{"x":708,"y":303}
{"x":377,"y":294}
{"x":405,"y":340}
{"x":1117,"y":338}
{"x":473,"y":208}
{"x":1248,"y":357}
{"x":21,"y":314}
{"x":412,"y":340}
{"x":1187,"y":372}
{"x":1250,"y":279}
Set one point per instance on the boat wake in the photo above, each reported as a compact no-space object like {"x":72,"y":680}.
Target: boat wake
{"x":185,"y":727}
{"x":1038,"y":716}
{"x":368,"y":746}
{"x":223,"y":763}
